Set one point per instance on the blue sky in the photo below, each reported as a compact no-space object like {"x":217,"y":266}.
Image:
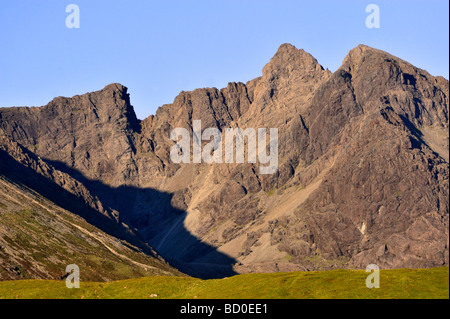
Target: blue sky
{"x":159,"y":48}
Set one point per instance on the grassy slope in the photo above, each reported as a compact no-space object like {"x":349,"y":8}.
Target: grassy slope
{"x":401,"y":283}
{"x":38,"y":239}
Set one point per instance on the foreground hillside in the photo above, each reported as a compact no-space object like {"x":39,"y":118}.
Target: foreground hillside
{"x":400,"y":283}
{"x":362,"y":168}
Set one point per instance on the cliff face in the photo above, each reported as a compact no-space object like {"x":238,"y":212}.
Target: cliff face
{"x":362,"y":175}
{"x":91,"y":133}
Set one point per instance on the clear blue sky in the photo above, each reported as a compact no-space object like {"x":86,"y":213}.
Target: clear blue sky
{"x":159,"y":48}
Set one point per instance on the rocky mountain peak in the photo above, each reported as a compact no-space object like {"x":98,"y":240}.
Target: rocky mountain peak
{"x":381,"y":79}
{"x":363,"y":60}
{"x":289,"y":60}
{"x":116,"y":87}
{"x":362,"y":54}
{"x":88,"y":132}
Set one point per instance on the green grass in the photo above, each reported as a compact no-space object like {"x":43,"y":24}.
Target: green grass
{"x":400,"y":283}
{"x":271,"y":192}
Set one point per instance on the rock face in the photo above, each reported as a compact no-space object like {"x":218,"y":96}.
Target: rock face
{"x":362,"y":176}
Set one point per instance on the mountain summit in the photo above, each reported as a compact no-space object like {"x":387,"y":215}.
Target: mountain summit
{"x":362,"y":176}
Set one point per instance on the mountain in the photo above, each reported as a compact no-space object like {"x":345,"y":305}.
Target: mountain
{"x":362,"y":168}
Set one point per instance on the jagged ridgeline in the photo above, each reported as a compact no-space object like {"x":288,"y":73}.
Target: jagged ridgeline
{"x":362,"y":174}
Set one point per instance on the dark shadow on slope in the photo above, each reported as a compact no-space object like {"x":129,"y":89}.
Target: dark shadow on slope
{"x":412,"y":128}
{"x":153,"y":217}
{"x":416,"y":138}
{"x":23,"y":175}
